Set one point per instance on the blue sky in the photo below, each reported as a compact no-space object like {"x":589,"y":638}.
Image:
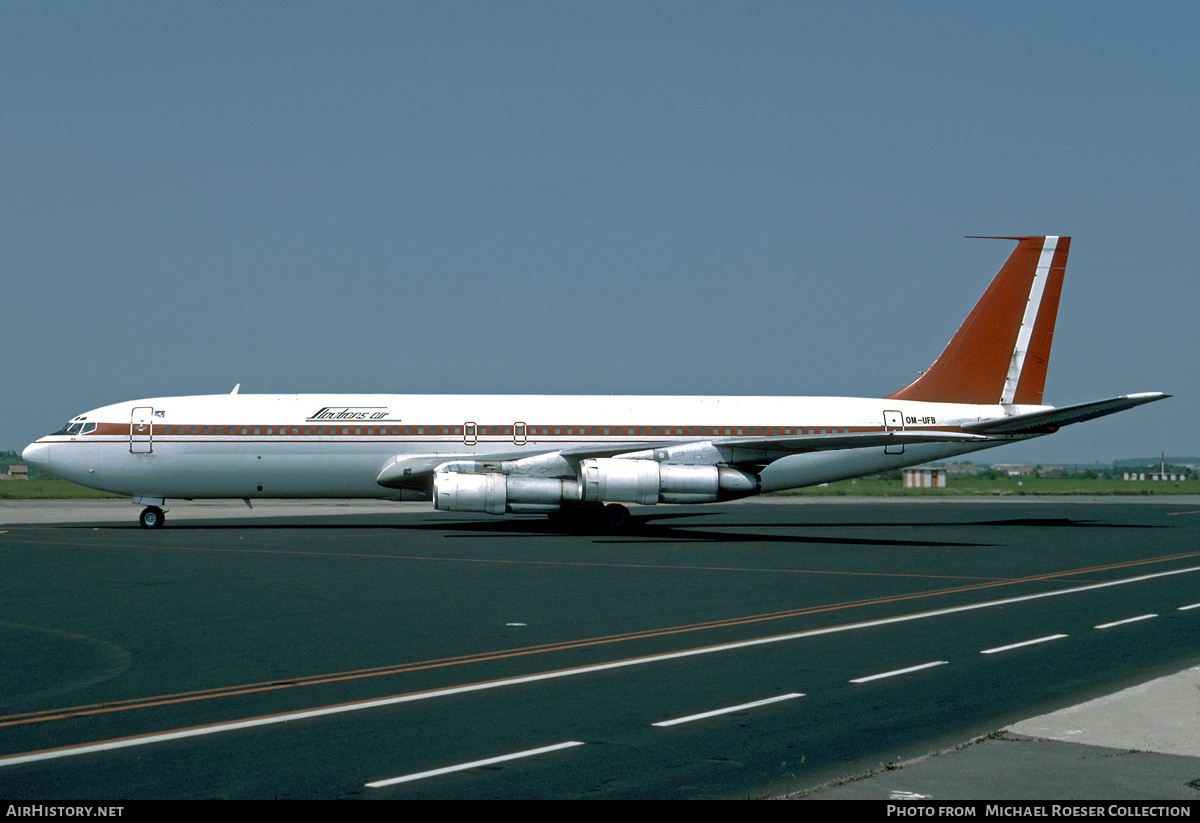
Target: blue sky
{"x":631,"y":198}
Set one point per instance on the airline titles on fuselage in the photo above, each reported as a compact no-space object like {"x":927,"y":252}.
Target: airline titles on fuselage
{"x":351,"y":413}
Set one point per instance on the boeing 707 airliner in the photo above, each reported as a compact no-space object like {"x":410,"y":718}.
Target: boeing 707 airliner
{"x":585,"y":454}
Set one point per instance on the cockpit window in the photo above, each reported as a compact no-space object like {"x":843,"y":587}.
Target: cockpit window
{"x":76,"y":427}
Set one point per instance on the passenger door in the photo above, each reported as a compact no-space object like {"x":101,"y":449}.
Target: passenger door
{"x":141,"y":430}
{"x":893,"y":421}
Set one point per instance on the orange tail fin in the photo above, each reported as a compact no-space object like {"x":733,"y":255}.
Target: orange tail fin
{"x":1000,"y":352}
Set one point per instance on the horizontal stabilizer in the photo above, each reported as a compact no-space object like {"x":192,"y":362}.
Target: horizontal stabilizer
{"x":1044,"y":422}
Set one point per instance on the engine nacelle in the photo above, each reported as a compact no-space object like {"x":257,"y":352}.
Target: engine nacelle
{"x":496,"y":493}
{"x":611,"y":479}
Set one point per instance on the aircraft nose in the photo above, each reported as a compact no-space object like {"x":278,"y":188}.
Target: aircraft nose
{"x":37,"y":455}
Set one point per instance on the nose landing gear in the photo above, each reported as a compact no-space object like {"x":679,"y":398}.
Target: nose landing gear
{"x":152,"y":517}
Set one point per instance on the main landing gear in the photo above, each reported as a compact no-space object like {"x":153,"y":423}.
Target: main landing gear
{"x":152,"y":517}
{"x":616,"y":516}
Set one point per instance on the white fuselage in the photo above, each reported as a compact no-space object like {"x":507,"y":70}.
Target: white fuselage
{"x":298,"y":446}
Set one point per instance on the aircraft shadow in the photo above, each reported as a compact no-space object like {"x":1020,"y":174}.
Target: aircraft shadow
{"x":642,"y":528}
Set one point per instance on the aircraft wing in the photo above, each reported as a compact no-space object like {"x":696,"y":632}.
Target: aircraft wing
{"x":1044,"y":422}
{"x":416,"y":471}
{"x":760,"y":451}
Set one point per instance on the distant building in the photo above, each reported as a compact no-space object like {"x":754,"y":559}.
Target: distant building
{"x":925,"y":477}
{"x":16,"y":472}
{"x":1013,"y":471}
{"x":1156,"y":477}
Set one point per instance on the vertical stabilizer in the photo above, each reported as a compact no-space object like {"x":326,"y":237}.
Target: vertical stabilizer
{"x":1000,"y":352}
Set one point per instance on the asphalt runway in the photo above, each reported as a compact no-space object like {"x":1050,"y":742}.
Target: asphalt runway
{"x":370,"y":650}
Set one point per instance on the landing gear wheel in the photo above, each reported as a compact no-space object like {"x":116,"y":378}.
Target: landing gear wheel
{"x":152,"y":517}
{"x":616,"y":516}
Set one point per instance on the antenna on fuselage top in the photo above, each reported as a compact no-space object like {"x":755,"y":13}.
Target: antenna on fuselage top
{"x":235,"y":388}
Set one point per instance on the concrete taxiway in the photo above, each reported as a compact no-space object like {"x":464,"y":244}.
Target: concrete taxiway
{"x":827,"y":648}
{"x":1140,"y":743}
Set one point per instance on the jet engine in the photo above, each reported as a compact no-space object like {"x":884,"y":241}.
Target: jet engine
{"x":611,"y":479}
{"x":497,"y":493}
